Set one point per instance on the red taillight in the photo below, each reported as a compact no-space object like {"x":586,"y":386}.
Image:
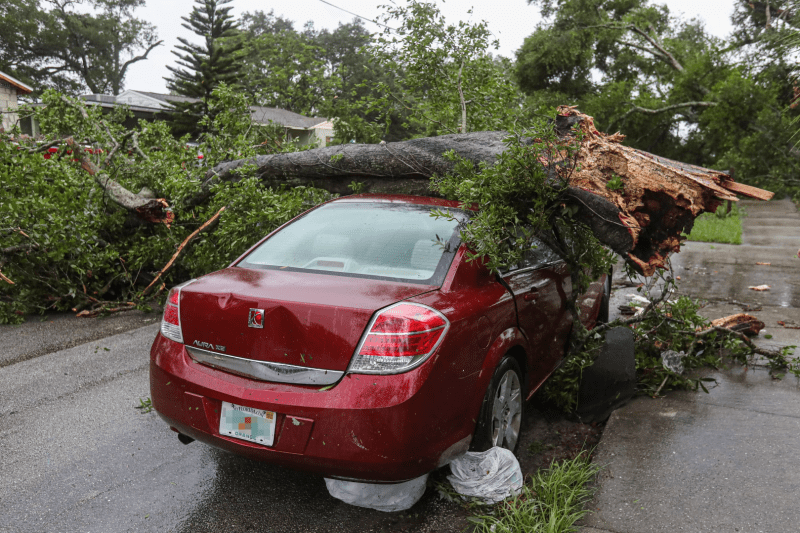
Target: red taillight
{"x":407,"y":318}
{"x":399,"y":345}
{"x":171,"y":322}
{"x":399,"y":338}
{"x":174,"y":295}
{"x":171,"y":315}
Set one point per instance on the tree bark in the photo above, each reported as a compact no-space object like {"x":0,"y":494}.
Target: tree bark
{"x":146,"y":208}
{"x":643,"y":222}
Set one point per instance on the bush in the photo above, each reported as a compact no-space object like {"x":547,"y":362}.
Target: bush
{"x":66,"y":245}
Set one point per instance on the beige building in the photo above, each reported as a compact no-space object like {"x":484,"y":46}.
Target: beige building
{"x":10,"y":89}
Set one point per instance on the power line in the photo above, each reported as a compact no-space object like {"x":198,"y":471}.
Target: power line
{"x":357,"y":15}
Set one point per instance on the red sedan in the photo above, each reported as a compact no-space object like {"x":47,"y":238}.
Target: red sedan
{"x":356,"y":341}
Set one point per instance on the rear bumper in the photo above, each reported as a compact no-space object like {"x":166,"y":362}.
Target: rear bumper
{"x":375,"y":428}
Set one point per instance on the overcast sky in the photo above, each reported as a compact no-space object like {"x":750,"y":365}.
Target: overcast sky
{"x":510,"y":20}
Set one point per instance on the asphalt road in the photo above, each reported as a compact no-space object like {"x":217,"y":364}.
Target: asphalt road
{"x":77,"y":456}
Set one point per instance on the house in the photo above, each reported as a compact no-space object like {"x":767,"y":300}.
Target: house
{"x":10,"y":89}
{"x":144,"y":105}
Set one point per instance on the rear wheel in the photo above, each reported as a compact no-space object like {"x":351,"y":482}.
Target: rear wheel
{"x":501,"y":412}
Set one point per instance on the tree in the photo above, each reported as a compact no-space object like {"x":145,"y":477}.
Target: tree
{"x":672,"y":88}
{"x":447,"y":80}
{"x":201,"y":68}
{"x":60,"y":47}
{"x":362,"y":81}
{"x":283,"y":68}
{"x":75,"y":234}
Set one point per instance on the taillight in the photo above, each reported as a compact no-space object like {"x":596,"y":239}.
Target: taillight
{"x":171,"y":321}
{"x":399,"y":338}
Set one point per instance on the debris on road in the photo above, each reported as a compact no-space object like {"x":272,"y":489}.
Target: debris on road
{"x":747,"y":324}
{"x":763,"y":263}
{"x":759,"y":288}
{"x":673,"y":361}
{"x":379,"y":496}
{"x":491,"y":476}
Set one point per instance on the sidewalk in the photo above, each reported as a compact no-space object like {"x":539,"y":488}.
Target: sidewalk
{"x":724,"y":461}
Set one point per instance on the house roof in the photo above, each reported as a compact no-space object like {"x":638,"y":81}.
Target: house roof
{"x":282,"y":117}
{"x":154,"y":102}
{"x":168,"y":97}
{"x":21,"y":87}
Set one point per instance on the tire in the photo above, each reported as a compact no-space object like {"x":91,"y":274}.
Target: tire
{"x":500,"y":419}
{"x":605,"y":301}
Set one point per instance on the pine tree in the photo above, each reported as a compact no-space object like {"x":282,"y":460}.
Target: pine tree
{"x":202,"y":67}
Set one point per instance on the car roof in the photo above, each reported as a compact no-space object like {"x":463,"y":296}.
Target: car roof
{"x":399,"y":199}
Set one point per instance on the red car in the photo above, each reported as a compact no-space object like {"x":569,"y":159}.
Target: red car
{"x":357,"y":341}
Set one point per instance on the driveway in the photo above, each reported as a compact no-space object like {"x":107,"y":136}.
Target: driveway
{"x":723,"y":461}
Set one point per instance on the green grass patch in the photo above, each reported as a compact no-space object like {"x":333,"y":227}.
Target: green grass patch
{"x":719,"y":227}
{"x":551,"y":502}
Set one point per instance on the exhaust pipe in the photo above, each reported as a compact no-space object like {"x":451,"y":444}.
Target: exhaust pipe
{"x":185,"y":439}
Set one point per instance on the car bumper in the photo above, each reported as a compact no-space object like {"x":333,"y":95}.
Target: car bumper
{"x":366,"y":427}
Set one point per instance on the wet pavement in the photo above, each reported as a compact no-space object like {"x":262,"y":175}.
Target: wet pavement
{"x":44,"y":334}
{"x":78,"y":456}
{"x":723,"y":461}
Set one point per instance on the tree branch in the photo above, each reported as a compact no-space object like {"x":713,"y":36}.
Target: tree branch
{"x":461,"y":97}
{"x":638,"y":109}
{"x":150,"y":209}
{"x":138,"y":58}
{"x":207,"y":225}
{"x":19,"y":248}
{"x":654,"y":53}
{"x":660,"y":47}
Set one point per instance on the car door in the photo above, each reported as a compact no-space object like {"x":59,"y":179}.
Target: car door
{"x":541,"y":285}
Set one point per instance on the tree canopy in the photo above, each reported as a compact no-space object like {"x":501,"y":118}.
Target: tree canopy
{"x":49,"y":43}
{"x":671,"y":87}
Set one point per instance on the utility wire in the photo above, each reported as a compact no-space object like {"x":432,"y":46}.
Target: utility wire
{"x":357,"y":15}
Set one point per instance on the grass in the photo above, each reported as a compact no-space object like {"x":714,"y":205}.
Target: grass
{"x":551,"y":502}
{"x":719,"y":227}
{"x":146,"y":405}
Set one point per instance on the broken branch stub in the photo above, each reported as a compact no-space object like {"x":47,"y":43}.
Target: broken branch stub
{"x":660,"y":198}
{"x":154,"y":210}
{"x":643,"y":220}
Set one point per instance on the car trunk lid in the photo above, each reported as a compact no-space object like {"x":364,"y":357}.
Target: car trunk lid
{"x":309,"y":320}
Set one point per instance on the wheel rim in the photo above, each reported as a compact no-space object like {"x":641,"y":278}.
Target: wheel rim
{"x":507,"y":411}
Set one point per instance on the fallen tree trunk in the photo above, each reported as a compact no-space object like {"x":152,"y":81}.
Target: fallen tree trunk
{"x":643,"y":221}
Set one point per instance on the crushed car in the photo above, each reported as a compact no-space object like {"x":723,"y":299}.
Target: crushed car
{"x":358,"y":341}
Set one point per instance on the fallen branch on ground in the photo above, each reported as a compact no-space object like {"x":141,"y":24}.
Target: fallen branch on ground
{"x":769,"y":354}
{"x":92,"y":313}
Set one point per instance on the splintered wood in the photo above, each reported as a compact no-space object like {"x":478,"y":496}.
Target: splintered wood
{"x":652,"y":202}
{"x":659,"y":199}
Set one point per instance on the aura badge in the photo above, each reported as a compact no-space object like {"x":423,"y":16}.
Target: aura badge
{"x":256,"y":318}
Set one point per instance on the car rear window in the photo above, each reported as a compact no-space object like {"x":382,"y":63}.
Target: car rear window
{"x":401,"y":242}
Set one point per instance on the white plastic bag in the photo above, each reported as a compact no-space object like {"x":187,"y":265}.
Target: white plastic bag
{"x":491,"y":476}
{"x":379,"y":496}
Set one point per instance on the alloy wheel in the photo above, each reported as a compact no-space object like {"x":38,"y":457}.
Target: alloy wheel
{"x":507,"y":411}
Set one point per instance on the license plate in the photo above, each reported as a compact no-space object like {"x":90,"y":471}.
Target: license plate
{"x":246,"y":423}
